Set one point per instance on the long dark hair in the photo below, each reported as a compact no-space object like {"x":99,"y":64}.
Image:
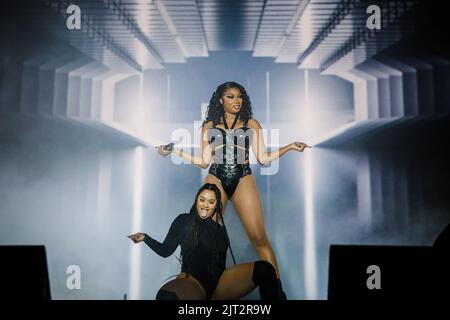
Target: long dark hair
{"x":195,"y":226}
{"x":215,"y":111}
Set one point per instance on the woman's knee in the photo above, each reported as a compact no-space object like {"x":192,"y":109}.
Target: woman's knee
{"x":259,"y":239}
{"x":181,"y":289}
{"x":166,"y":295}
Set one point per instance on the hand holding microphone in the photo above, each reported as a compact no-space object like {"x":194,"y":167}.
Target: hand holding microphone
{"x":165,"y":150}
{"x":169,"y":147}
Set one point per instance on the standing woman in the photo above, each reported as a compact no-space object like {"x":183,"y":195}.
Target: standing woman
{"x":227,"y":133}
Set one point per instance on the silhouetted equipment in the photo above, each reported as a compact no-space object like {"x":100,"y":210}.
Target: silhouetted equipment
{"x":443,"y":240}
{"x":24,"y":273}
{"x":441,"y":248}
{"x":383,"y":272}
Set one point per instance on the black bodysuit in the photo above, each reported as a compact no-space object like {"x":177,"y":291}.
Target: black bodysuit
{"x":203,"y":266}
{"x":230,"y":154}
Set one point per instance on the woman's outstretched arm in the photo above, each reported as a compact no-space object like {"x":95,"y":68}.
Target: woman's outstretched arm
{"x":259,"y":147}
{"x":170,"y":243}
{"x":201,"y":161}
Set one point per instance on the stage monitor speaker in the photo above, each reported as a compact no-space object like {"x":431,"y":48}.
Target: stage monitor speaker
{"x":383,"y":272}
{"x":24,"y":273}
{"x":443,"y":240}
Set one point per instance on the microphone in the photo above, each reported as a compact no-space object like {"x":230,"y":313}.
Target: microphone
{"x":169,"y":147}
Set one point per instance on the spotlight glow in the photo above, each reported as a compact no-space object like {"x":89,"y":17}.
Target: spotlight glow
{"x":135,"y":256}
{"x":307,"y":27}
{"x":310,"y":265}
{"x":141,"y":115}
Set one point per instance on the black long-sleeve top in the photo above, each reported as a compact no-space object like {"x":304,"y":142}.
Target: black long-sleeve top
{"x":203,"y":265}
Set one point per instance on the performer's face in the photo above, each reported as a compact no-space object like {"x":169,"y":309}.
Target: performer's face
{"x":206,"y":203}
{"x":232,"y":100}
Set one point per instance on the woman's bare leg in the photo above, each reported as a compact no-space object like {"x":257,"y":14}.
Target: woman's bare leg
{"x":185,"y":289}
{"x":238,"y":281}
{"x":248,"y":206}
{"x":235,"y":282}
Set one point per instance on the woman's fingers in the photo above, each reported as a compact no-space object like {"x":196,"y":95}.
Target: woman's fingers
{"x":301,"y":146}
{"x":135,"y":237}
{"x":162,"y":151}
{"x":305,"y":145}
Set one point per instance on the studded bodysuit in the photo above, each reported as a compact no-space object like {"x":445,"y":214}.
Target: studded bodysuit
{"x":230,"y":154}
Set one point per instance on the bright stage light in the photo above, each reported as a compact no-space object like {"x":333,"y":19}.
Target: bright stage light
{"x":310,"y":263}
{"x":135,"y":254}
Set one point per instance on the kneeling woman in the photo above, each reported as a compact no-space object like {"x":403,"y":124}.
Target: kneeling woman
{"x":204,"y":243}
